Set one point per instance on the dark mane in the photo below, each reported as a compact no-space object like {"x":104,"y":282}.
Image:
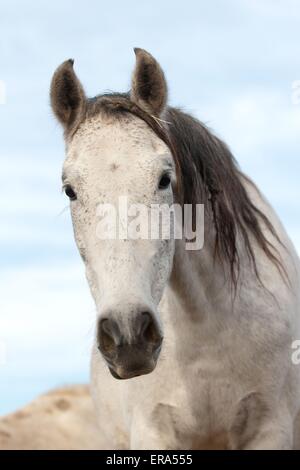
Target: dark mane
{"x":208,"y":174}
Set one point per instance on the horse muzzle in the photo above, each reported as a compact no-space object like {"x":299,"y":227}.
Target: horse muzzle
{"x":130,"y":350}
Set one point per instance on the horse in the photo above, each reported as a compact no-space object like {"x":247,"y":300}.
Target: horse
{"x":192,"y":348}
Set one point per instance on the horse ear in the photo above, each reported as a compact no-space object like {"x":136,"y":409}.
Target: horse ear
{"x":67,"y":95}
{"x":149,"y":87}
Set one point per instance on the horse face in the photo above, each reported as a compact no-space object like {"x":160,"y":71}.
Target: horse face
{"x":110,"y":158}
{"x":109,"y":163}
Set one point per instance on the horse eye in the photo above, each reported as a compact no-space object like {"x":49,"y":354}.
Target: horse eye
{"x":70,"y":192}
{"x":164,"y":182}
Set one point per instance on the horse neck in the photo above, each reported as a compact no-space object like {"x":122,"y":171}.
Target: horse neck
{"x":197,"y":281}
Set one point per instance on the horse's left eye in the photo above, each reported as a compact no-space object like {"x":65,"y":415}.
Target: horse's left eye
{"x":164,"y":181}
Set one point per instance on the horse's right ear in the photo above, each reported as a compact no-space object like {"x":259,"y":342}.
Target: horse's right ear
{"x":67,"y":95}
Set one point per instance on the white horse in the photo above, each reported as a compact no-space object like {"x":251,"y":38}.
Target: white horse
{"x":224,"y":318}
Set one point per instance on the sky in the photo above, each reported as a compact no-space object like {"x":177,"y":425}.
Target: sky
{"x":234,"y":64}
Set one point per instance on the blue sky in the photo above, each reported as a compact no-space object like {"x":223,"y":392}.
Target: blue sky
{"x":230,"y":62}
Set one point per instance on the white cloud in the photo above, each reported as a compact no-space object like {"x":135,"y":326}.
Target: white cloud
{"x":46,"y":324}
{"x":251,"y":120}
{"x":37,"y":303}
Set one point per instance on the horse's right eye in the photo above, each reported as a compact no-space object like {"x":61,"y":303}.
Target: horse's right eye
{"x":69,"y":191}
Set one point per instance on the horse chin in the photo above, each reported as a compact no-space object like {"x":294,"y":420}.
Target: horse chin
{"x":125,"y":375}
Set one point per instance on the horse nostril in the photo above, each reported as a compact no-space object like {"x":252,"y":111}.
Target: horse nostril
{"x":108,"y":335}
{"x":149,"y":329}
{"x":145,"y":322}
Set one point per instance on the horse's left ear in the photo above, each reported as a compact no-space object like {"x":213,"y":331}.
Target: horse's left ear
{"x":149,"y":87}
